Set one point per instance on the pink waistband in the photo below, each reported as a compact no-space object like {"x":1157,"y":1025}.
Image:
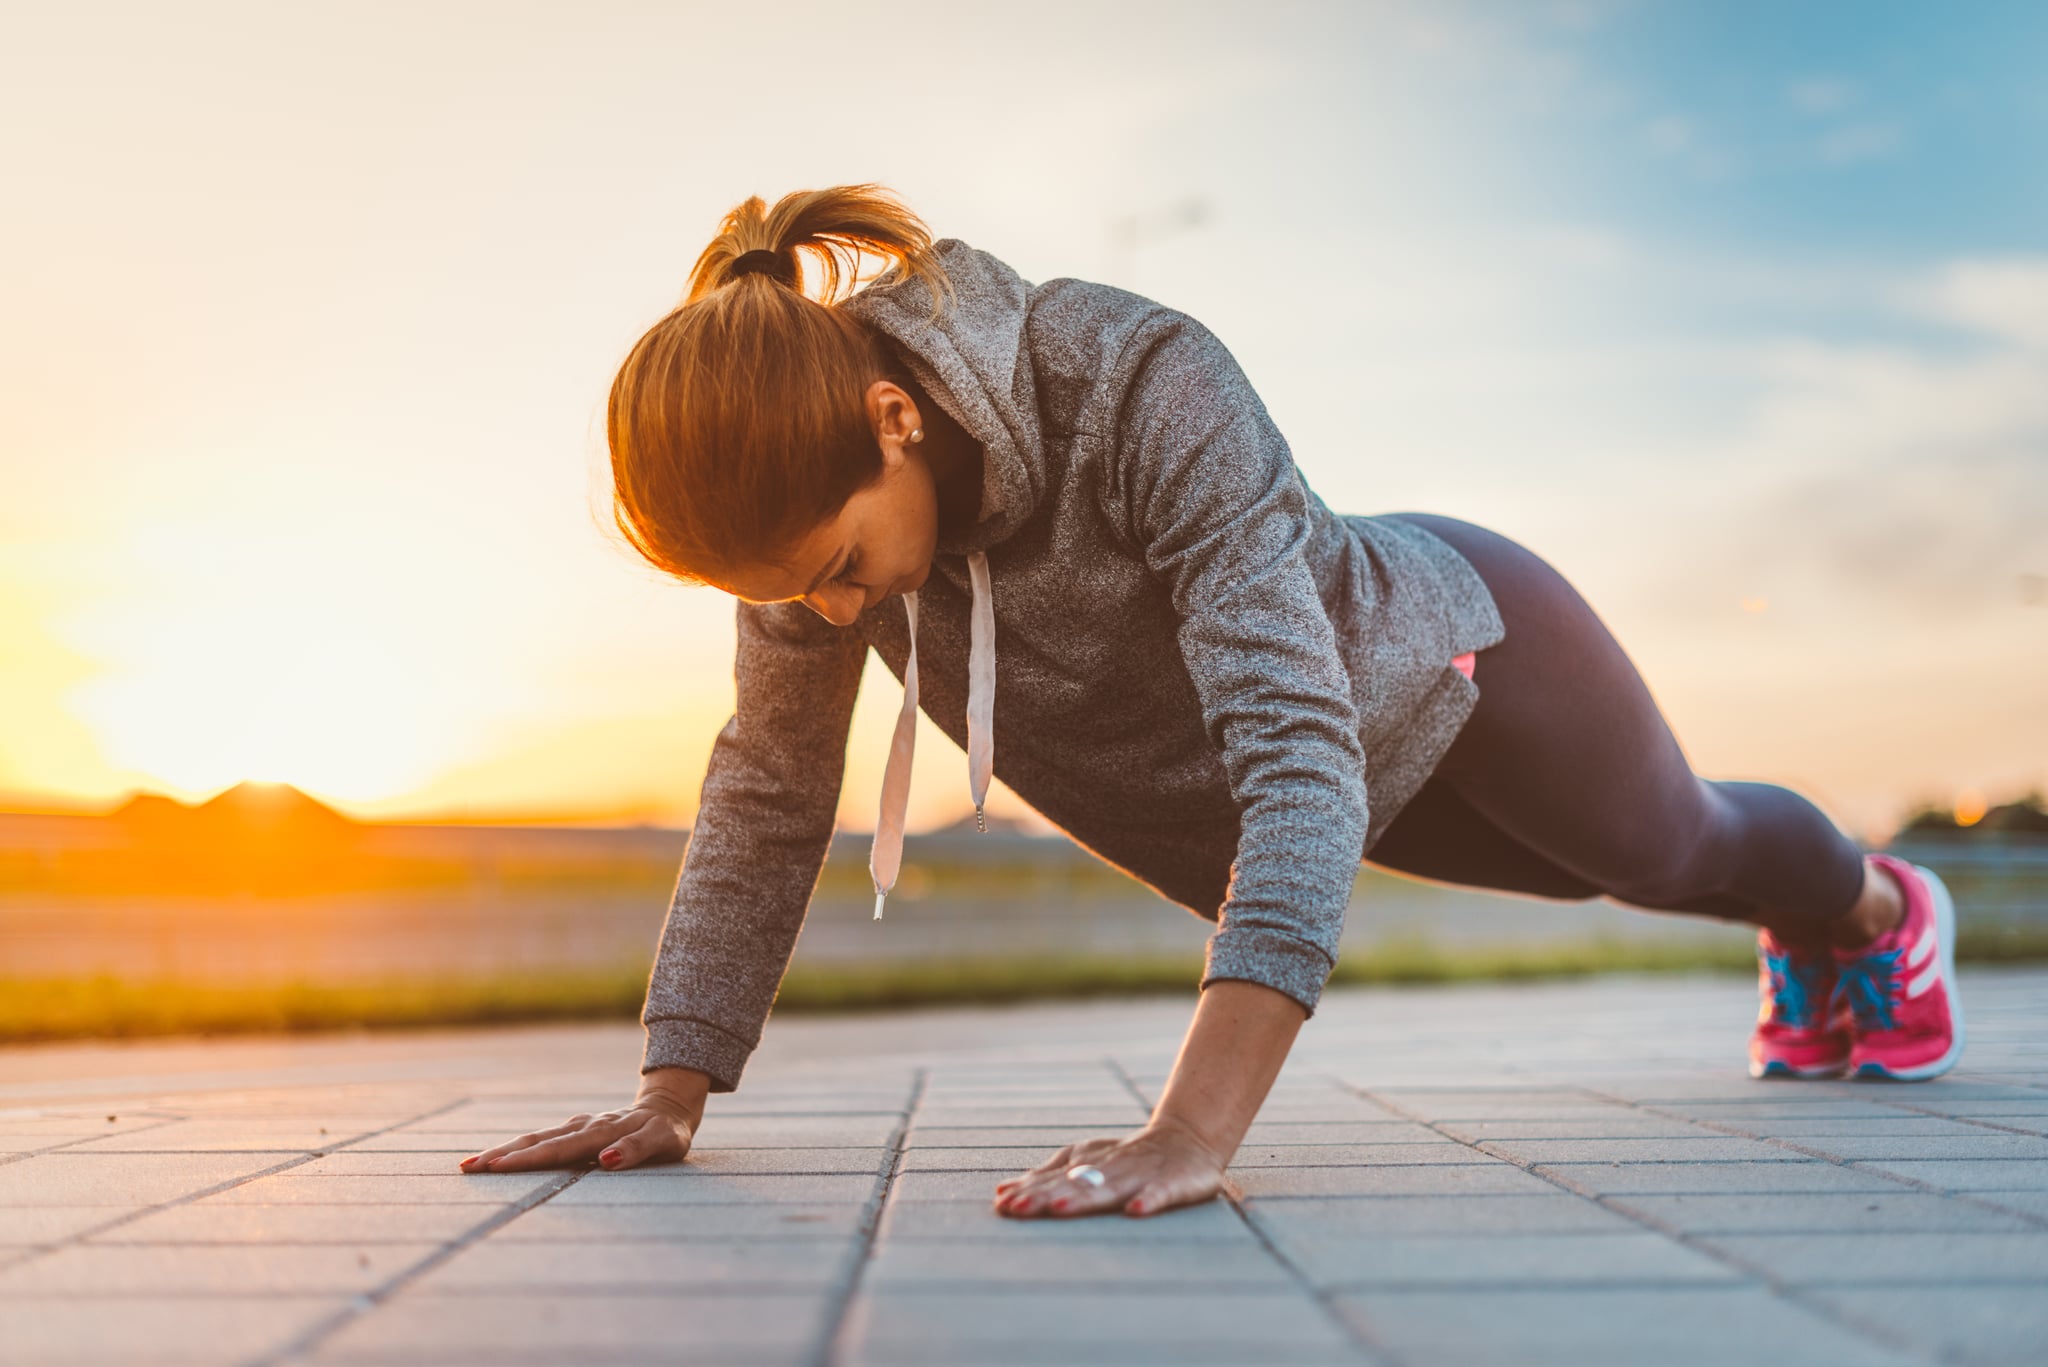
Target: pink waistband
{"x":1463,"y":663}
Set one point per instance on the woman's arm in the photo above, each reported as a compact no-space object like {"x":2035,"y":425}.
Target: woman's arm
{"x":763,"y":826}
{"x":1204,"y":484}
{"x":1234,"y":1048}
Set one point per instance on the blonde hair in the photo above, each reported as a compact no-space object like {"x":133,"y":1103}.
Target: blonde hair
{"x":738,"y":423}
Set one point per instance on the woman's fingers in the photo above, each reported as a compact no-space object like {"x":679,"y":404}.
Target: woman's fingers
{"x":1169,"y":1193}
{"x":480,"y":1162}
{"x":657,"y":1140}
{"x":557,"y":1148}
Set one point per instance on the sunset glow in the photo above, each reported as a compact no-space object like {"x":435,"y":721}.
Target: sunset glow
{"x":301,"y":438}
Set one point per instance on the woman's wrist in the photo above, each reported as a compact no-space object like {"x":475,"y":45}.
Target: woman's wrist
{"x":677,"y":1091}
{"x":1217,"y":1142}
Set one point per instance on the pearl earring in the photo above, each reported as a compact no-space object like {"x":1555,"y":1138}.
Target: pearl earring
{"x":917,"y":434}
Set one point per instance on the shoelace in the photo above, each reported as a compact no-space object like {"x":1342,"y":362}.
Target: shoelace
{"x":1796,"y":982}
{"x":1868,"y":984}
{"x":885,"y":856}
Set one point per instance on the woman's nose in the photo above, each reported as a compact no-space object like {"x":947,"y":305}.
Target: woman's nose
{"x":839,"y":605}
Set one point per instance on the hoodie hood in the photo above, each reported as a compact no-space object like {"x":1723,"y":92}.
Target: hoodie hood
{"x":974,"y":363}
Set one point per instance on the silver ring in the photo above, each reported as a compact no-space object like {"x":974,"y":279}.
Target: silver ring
{"x":1088,"y":1175}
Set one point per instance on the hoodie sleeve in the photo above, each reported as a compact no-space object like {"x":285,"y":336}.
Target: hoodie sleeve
{"x":1211,"y":496}
{"x":763,"y":826}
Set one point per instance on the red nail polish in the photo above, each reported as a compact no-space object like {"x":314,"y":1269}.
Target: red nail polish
{"x":1060,"y":1203}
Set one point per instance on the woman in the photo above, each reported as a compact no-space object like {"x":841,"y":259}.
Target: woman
{"x":1104,"y":552}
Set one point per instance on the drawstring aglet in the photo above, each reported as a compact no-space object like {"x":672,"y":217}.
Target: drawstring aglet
{"x":980,"y":821}
{"x":878,"y":904}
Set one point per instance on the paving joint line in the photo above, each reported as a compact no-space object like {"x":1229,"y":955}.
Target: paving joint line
{"x":832,"y":1346}
{"x":1849,"y":1164}
{"x":1358,"y":1336}
{"x":301,"y":1157}
{"x":363,"y":1302}
{"x":1878,"y":1334}
{"x":161,"y":1121}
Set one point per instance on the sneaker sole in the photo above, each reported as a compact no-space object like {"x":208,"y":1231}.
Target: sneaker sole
{"x":1779,"y":1068}
{"x":1945,"y":932}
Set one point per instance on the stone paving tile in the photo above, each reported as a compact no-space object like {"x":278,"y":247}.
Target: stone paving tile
{"x":978,"y":1220}
{"x":2033,"y":1203}
{"x":1884,"y":1127}
{"x":1381,"y":1261}
{"x":998,"y":1260}
{"x":208,"y":1223}
{"x":1978,"y":1325}
{"x":1448,"y":1179}
{"x":1896,"y":1260}
{"x":675,"y":1325}
{"x":458,"y":1142}
{"x":129,"y":1179}
{"x":21,"y":1225}
{"x":1710,"y":1326}
{"x":493,"y":1189}
{"x":385,"y":1163}
{"x":964,"y":1185}
{"x":174,"y":1331}
{"x":799,"y":1131}
{"x":1888,"y":1148}
{"x":1896,"y":1211}
{"x":554,"y":1222}
{"x":1623,"y":1125}
{"x":1088,"y":1117}
{"x":1478,"y":1216}
{"x":678,"y":1188}
{"x":1354,"y":1155}
{"x":1970,"y":1174}
{"x":225,"y":1269}
{"x":1689,"y":1149}
{"x":502,"y":1265}
{"x":1794,"y":1174}
{"x":213,"y":1135}
{"x":1130,"y":1324}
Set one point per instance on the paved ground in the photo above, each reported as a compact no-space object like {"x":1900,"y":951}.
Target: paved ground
{"x":1571,"y":1173}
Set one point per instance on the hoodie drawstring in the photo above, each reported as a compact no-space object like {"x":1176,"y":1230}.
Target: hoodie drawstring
{"x":885,"y":858}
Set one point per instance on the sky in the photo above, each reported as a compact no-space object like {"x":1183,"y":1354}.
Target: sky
{"x":1736,"y":313}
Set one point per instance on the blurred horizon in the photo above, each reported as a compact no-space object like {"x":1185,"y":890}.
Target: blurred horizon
{"x":1737,"y":315}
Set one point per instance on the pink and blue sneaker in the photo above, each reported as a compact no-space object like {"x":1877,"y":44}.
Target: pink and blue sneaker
{"x":1900,"y":989}
{"x":1801,"y":1029}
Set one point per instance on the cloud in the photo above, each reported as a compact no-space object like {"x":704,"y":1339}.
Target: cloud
{"x":1909,"y":479}
{"x":1852,"y":144}
{"x":1820,"y":96}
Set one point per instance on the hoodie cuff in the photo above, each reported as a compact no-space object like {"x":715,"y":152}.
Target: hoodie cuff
{"x":1272,"y":959}
{"x":686,"y":1043}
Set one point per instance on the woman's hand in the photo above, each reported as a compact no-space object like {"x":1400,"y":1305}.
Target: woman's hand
{"x":1156,"y":1169}
{"x":657,"y":1128}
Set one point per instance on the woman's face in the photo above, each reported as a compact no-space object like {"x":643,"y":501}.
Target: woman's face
{"x":882,"y":541}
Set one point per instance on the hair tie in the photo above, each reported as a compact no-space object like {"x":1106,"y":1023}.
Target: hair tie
{"x":764,"y":262}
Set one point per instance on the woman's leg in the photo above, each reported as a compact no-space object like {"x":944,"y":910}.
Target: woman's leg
{"x":1567,"y":757}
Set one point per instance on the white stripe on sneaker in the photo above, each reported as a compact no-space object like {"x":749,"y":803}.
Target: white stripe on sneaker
{"x":1922,"y":950}
{"x":1923,"y":980}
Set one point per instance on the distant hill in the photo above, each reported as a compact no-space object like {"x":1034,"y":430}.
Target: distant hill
{"x":267,"y":811}
{"x":2023,"y":820}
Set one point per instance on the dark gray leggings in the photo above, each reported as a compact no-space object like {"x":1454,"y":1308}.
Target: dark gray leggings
{"x":1566,"y":781}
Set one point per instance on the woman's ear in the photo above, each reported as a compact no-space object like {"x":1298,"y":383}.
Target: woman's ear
{"x":893,"y":415}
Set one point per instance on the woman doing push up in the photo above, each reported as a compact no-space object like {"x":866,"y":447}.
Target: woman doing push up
{"x":1061,"y":515}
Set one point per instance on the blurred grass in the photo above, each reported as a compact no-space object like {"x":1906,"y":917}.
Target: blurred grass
{"x":39,"y":1009}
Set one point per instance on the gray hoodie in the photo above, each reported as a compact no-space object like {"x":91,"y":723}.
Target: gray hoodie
{"x":1201,"y":673}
